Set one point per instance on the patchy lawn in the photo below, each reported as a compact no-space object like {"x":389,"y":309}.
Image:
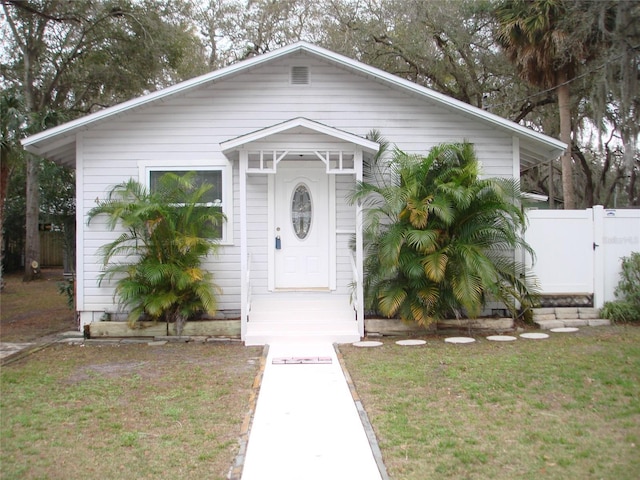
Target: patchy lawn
{"x":30,"y":310}
{"x":566,"y":407}
{"x":115,"y":411}
{"x":125,"y":411}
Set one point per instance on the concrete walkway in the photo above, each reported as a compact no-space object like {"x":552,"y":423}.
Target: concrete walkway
{"x":8,"y":349}
{"x":306,"y":424}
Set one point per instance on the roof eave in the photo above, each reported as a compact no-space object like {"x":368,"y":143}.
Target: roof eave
{"x":475,"y":112}
{"x":70,"y":128}
{"x":555,"y":147}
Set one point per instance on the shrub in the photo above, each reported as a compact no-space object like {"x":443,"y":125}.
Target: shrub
{"x":67,"y":288}
{"x":626,"y":307}
{"x":157,"y":259}
{"x":439,"y":239}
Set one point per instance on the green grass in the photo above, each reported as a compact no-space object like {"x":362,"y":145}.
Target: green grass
{"x":125,"y":412}
{"x":567,"y":407}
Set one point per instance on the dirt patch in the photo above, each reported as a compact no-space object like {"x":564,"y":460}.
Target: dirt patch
{"x":111,"y":370}
{"x":144,"y":362}
{"x":31,"y":310}
{"x":126,"y":411}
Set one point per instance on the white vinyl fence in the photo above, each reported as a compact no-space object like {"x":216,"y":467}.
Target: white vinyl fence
{"x":579,"y":251}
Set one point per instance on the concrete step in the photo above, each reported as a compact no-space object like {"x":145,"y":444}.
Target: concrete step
{"x":557,"y":317}
{"x":301,"y":316}
{"x":549,"y":324}
{"x":301,"y":306}
{"x":278,"y":337}
{"x":566,"y":313}
{"x":263,"y":333}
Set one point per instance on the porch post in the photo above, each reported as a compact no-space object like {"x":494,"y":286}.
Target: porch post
{"x":359,"y":249}
{"x":244,"y":267}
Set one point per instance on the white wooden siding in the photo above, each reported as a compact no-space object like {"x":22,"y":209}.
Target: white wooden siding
{"x":189,"y":128}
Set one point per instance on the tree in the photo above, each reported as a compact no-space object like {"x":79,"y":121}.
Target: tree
{"x":440,"y":241}
{"x":71,"y":58}
{"x":613,"y":105}
{"x":11,"y":123}
{"x":156,"y":261}
{"x":537,"y":38}
{"x":234,"y":30}
{"x":446,"y":46}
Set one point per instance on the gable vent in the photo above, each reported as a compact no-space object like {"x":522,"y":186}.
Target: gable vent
{"x":299,"y":75}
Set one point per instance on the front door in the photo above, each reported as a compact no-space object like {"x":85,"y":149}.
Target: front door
{"x":301,"y":226}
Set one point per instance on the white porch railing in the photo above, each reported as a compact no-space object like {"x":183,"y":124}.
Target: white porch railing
{"x":356,"y":280}
{"x":248,"y":284}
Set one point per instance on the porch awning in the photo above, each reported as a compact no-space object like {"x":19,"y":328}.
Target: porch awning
{"x":299,"y":125}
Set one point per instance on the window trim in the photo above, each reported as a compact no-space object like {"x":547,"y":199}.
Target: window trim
{"x":147,"y":166}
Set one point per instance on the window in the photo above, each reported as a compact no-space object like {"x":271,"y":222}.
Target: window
{"x":213,"y":197}
{"x":220,"y":196}
{"x":301,"y":213}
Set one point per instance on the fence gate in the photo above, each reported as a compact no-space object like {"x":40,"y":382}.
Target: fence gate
{"x":578,"y":252}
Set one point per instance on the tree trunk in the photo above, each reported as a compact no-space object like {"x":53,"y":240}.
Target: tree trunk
{"x":589,"y":198}
{"x":180,"y":320}
{"x":4,"y":181}
{"x":32,"y":247}
{"x":552,"y":188}
{"x":564,"y":108}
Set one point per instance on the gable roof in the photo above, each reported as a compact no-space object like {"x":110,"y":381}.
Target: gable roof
{"x":300,"y":123}
{"x":58,"y":143}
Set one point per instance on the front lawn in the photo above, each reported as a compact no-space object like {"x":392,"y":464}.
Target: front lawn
{"x":31,"y":310}
{"x":566,"y":407}
{"x":125,"y":411}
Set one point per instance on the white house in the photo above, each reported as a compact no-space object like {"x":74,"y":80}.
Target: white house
{"x":282,"y":136}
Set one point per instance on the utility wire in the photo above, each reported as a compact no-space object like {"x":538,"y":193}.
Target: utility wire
{"x":571,"y":80}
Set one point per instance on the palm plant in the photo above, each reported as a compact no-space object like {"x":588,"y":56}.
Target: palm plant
{"x":536,"y":40}
{"x":157,"y":260}
{"x":439,"y":240}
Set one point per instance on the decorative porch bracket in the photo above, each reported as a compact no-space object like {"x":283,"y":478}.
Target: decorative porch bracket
{"x":336,"y":161}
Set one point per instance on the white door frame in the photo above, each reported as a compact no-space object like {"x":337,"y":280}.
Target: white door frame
{"x":271,"y":229}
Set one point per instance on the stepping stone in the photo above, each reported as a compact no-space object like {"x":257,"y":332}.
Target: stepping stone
{"x":410,"y":342}
{"x":501,"y":338}
{"x":564,"y":330}
{"x":367,"y":343}
{"x":459,"y":340}
{"x":534,"y":335}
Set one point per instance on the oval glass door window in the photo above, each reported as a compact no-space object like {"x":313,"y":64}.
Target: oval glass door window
{"x":301,"y":211}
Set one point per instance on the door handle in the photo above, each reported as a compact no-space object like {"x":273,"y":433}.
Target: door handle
{"x":278,"y":242}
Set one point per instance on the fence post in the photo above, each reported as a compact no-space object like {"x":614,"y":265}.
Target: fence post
{"x":598,"y":256}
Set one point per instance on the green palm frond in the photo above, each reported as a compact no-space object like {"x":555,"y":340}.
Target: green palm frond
{"x":440,"y":241}
{"x":424,"y":241}
{"x":165,"y":236}
{"x":434,"y":265}
{"x":391,"y":298}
